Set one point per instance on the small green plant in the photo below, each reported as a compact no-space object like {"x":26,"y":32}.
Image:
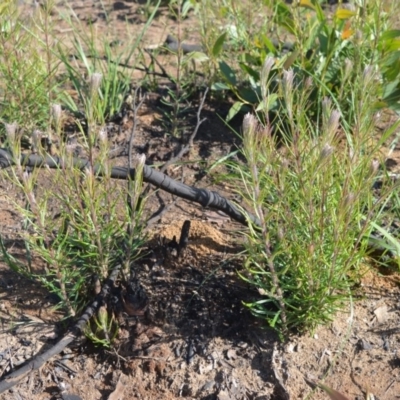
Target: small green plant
{"x":103,"y":329}
{"x":176,"y":100}
{"x":79,"y":226}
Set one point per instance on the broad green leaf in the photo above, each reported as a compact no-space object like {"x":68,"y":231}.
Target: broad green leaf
{"x":218,"y":45}
{"x":250,"y":71}
{"x":234,"y":110}
{"x":290,"y":59}
{"x":379,"y":105}
{"x":391,"y":66}
{"x":390,"y":88}
{"x":392,"y":45}
{"x":228,"y":73}
{"x":247,"y":95}
{"x":343,"y":13}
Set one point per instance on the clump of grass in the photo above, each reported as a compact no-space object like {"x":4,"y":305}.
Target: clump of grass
{"x":27,"y":66}
{"x":115,"y":63}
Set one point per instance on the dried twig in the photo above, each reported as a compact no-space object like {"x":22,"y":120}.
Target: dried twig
{"x":281,"y":388}
{"x":164,"y":73}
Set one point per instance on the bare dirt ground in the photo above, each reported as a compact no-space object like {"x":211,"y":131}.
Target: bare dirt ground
{"x":197,"y":341}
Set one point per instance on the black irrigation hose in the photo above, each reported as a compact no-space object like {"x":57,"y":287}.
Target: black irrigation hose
{"x":204,"y":197}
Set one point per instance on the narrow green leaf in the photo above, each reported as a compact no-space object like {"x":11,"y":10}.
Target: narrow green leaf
{"x":306,"y":4}
{"x":269,"y":44}
{"x":219,"y":86}
{"x":333,"y":394}
{"x":234,"y":110}
{"x":195,"y":56}
{"x":392,"y":243}
{"x":343,"y":13}
{"x":218,"y":45}
{"x":320,"y":13}
{"x":390,"y":34}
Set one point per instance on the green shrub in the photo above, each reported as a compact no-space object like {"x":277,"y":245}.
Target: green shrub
{"x":79,"y":226}
{"x":310,"y":185}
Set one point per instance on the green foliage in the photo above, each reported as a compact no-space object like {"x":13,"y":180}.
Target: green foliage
{"x":308,"y":168}
{"x":27,"y":67}
{"x":103,"y":329}
{"x":390,"y":67}
{"x":115,"y":66}
{"x":310,"y":186}
{"x":330,"y":51}
{"x":79,"y":226}
{"x":78,"y":231}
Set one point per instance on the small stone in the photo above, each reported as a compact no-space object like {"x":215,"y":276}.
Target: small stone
{"x":231,"y":354}
{"x":364,"y":345}
{"x":208,"y":385}
{"x":381,"y":314}
{"x":223,"y":395}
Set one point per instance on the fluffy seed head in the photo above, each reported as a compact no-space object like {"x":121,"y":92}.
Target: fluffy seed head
{"x":36,"y":139}
{"x":288,"y":77}
{"x":249,"y":125}
{"x":95,"y":82}
{"x":333,"y":123}
{"x":373,"y":169}
{"x":11,"y":131}
{"x":326,"y":152}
